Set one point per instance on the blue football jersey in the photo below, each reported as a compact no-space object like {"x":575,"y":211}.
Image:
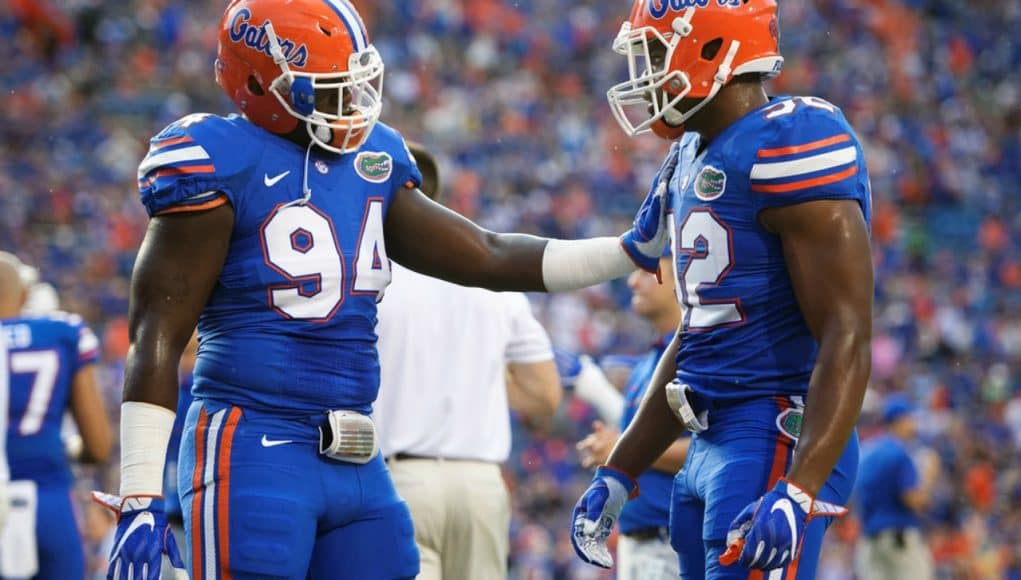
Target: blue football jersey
{"x":44,"y":354}
{"x":743,"y":334}
{"x":289,"y":326}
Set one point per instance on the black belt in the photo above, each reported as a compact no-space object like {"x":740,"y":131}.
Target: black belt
{"x":406,"y":456}
{"x":899,"y":536}
{"x":651,"y":533}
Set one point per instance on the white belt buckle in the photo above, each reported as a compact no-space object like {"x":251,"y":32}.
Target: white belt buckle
{"x":677,"y":398}
{"x":348,"y":436}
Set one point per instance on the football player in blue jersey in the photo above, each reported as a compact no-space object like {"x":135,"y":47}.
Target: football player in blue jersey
{"x":769,"y":209}
{"x":51,"y":371}
{"x":273,"y":231}
{"x":643,"y":547}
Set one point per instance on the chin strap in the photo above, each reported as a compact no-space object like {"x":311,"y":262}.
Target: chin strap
{"x":665,"y":130}
{"x":719,"y":79}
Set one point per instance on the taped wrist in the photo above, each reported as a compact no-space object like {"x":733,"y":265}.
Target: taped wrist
{"x":145,"y":434}
{"x":576,"y":264}
{"x":627,"y":481}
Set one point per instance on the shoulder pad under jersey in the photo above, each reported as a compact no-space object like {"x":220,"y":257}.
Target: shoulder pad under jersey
{"x":808,"y":152}
{"x":198,"y":162}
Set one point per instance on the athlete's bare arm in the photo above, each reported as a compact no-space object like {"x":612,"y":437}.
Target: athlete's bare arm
{"x":429,"y":238}
{"x":90,"y":416}
{"x":673,"y":458}
{"x":826,"y":247}
{"x":176,"y":269}
{"x":655,"y":427}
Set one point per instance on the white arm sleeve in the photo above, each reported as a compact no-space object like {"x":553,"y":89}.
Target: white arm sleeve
{"x":145,"y":435}
{"x":575,"y":264}
{"x":594,"y":388}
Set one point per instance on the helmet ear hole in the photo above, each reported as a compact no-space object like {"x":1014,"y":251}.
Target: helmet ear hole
{"x":254,"y":87}
{"x":711,"y":48}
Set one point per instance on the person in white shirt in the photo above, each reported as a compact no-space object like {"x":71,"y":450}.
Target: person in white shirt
{"x":448,"y":355}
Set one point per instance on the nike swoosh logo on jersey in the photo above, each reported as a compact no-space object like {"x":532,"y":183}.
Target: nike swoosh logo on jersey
{"x":271,"y":181}
{"x":266,"y":442}
{"x":143,"y":519}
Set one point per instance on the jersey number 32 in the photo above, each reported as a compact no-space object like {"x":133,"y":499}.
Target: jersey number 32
{"x":707,"y":241}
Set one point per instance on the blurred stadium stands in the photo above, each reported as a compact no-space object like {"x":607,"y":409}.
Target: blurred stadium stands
{"x":510,"y":96}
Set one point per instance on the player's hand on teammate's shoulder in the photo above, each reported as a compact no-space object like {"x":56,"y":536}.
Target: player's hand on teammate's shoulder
{"x":143,"y":537}
{"x":768,"y":532}
{"x":645,"y":241}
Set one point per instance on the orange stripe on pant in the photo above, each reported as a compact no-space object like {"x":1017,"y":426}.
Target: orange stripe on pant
{"x":781,"y":451}
{"x":223,"y":492}
{"x":198,"y":489}
{"x":776,"y":471}
{"x":779,"y":468}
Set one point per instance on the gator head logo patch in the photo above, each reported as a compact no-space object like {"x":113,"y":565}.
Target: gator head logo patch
{"x":374,"y":166}
{"x":789,"y":423}
{"x":710,"y":183}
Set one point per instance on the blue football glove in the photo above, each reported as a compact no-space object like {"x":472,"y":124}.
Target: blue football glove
{"x":568,"y":366}
{"x":597,"y":511}
{"x":769,"y":532}
{"x":143,"y":537}
{"x":645,"y":242}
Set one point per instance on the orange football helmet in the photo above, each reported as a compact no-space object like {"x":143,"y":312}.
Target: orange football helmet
{"x":689,"y":49}
{"x":275,"y":57}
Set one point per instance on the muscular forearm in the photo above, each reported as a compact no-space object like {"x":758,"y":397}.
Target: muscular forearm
{"x":150,"y":375}
{"x":147,"y":414}
{"x":834,"y":401}
{"x":655,"y":427}
{"x":523,"y":263}
{"x":433,"y":240}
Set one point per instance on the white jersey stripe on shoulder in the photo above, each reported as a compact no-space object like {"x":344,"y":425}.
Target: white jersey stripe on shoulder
{"x":209,"y":501}
{"x":802,"y":166}
{"x":351,"y":20}
{"x":193,"y":153}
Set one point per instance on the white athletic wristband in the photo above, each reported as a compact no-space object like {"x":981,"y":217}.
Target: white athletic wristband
{"x":575,"y":264}
{"x":145,"y":435}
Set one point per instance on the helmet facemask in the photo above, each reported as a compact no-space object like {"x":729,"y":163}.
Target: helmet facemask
{"x":654,"y":92}
{"x":345,"y":124}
